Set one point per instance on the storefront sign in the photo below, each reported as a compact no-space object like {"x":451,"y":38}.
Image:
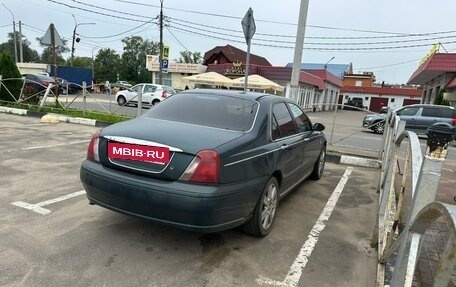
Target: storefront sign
{"x":235,"y":70}
{"x":435,"y":49}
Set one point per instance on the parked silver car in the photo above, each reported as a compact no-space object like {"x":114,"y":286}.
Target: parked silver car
{"x":418,"y":118}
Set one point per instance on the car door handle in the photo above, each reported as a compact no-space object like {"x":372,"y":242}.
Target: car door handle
{"x":284,"y":147}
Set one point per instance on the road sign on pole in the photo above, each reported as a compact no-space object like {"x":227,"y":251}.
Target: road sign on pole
{"x":249,"y":28}
{"x":165,"y":66}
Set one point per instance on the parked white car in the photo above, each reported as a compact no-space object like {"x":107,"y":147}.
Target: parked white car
{"x":152,"y":94}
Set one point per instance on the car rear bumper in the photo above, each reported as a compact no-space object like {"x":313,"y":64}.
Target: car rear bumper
{"x":202,"y":208}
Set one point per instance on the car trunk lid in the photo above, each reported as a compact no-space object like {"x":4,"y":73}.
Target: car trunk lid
{"x":157,"y":148}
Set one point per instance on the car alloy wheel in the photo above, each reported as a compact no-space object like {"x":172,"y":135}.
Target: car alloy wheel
{"x":379,"y":128}
{"x":121,"y":101}
{"x":260,"y":224}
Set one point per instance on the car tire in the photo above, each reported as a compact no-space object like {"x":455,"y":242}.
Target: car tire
{"x":154,"y":102}
{"x":264,"y":214}
{"x":121,"y":101}
{"x":379,"y":128}
{"x":319,"y":165}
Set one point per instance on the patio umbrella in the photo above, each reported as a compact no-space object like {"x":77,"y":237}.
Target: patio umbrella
{"x":257,"y":82}
{"x":209,"y":78}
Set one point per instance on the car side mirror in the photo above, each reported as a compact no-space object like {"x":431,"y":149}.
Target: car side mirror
{"x":318,"y":127}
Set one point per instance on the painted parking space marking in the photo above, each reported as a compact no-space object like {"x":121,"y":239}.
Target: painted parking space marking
{"x":38,"y":207}
{"x":48,"y":146}
{"x":300,"y":262}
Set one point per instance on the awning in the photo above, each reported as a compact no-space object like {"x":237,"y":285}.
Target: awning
{"x":209,"y":79}
{"x":257,"y":82}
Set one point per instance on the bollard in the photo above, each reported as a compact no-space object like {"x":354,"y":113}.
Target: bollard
{"x":440,"y":135}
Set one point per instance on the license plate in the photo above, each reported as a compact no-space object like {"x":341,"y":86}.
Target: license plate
{"x":138,"y":152}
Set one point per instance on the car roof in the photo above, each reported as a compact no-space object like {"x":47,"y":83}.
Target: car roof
{"x":429,"y":105}
{"x":255,"y":96}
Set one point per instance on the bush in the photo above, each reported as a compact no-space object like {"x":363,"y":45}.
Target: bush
{"x":9,"y":70}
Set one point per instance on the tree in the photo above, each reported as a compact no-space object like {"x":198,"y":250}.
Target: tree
{"x":11,"y":88}
{"x":81,"y":62}
{"x":29,"y":55}
{"x":439,"y":100}
{"x":190,"y":57}
{"x":47,"y":57}
{"x":134,"y":58}
{"x":106,"y":65}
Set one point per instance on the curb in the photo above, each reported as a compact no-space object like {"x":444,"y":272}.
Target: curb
{"x":56,"y":117}
{"x":336,"y":157}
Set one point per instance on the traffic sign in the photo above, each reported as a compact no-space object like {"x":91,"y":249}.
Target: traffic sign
{"x":165,"y":65}
{"x":165,"y":52}
{"x":248,"y":25}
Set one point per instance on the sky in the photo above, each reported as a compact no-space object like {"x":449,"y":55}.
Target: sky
{"x":351,"y":31}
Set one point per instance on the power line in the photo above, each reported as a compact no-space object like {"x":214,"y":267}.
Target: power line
{"x":260,"y":20}
{"x":321,"y":43}
{"x":172,"y":34}
{"x":118,"y":34}
{"x":318,"y":48}
{"x":112,"y":10}
{"x":90,"y":11}
{"x":317,"y":37}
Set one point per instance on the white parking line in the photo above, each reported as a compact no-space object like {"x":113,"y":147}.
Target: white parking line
{"x":38,"y":207}
{"x":48,"y":146}
{"x":295,"y":271}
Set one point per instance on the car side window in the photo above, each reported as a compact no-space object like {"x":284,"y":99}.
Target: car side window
{"x":283,"y":120}
{"x":150,"y":89}
{"x":137,"y":88}
{"x":447,"y":113}
{"x":301,"y":120}
{"x":410,"y":111}
{"x":430,"y":112}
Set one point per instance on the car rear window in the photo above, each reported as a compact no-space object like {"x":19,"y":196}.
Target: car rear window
{"x":224,"y":112}
{"x":448,"y":113}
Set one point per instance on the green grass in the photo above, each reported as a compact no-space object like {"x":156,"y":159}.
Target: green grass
{"x":100,"y":116}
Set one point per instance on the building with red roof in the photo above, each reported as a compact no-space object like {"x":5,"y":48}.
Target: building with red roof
{"x":437,"y":72}
{"x":376,"y":97}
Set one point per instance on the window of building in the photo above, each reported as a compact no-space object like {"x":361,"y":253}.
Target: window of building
{"x":167,"y":80}
{"x":358,"y":83}
{"x":392,"y":100}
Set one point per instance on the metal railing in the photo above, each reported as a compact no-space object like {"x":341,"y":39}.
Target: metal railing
{"x":41,"y":95}
{"x":407,"y":204}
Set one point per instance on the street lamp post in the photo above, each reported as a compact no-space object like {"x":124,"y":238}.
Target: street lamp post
{"x":326,"y":65}
{"x":14,"y":33}
{"x":74,"y":37}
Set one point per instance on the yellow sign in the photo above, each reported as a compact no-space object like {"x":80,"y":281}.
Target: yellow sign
{"x":434,"y":49}
{"x":165,"y":52}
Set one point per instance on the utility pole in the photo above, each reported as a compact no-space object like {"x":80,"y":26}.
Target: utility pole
{"x":14,"y":33}
{"x":294,"y":86}
{"x":160,"y":57}
{"x":21,"y":52}
{"x":74,"y":37}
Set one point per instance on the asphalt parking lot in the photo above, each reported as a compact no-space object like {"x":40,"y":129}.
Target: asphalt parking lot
{"x":51,"y":236}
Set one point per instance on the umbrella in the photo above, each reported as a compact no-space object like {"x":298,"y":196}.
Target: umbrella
{"x":257,"y":82}
{"x":209,"y":78}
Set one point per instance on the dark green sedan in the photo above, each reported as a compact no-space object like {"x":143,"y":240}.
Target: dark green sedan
{"x":205,"y":160}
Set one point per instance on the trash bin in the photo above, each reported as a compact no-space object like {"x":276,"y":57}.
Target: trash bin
{"x":440,"y":135}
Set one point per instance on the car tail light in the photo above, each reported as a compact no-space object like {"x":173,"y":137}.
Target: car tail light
{"x":92,"y":149}
{"x":45,"y":84}
{"x":453,"y":121}
{"x":204,"y":168}
{"x":164,"y":95}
